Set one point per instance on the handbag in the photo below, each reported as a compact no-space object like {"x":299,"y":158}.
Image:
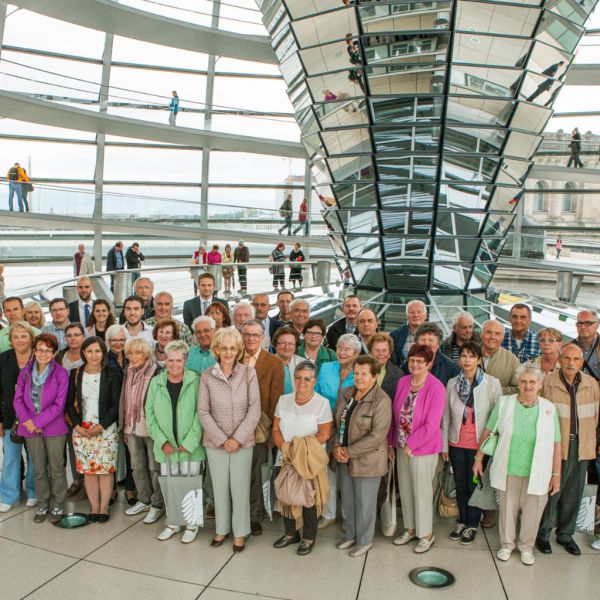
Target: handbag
{"x":447,"y":505}
{"x":484,"y":498}
{"x":587,"y":510}
{"x":15,"y":438}
{"x":292,"y":490}
{"x":266,"y":476}
{"x":183,"y":497}
{"x":489,"y":446}
{"x":387,"y":514}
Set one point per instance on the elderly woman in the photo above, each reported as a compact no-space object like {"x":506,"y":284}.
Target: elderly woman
{"x":12,"y":362}
{"x":278,"y":270}
{"x":140,"y":371}
{"x":551,"y":341}
{"x":285,"y":341}
{"x":416,"y":438}
{"x":164,"y":332}
{"x":527,"y":461}
{"x":219,"y":312}
{"x":172,"y":422}
{"x":93,"y":407}
{"x":39,"y":404}
{"x":312,"y":348}
{"x":101,"y":319}
{"x":381,"y":347}
{"x":116,"y":336}
{"x":229,"y":410}
{"x":362,"y":421}
{"x":470,"y":398}
{"x":70,"y":357}
{"x":301,"y":414}
{"x":332,"y":378}
{"x":34,"y":315}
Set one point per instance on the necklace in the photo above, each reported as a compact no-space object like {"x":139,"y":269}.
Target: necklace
{"x":526,"y":405}
{"x":416,"y":386}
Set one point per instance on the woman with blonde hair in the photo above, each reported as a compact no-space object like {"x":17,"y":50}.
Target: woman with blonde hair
{"x":229,"y":410}
{"x":551,"y":341}
{"x":34,"y":315}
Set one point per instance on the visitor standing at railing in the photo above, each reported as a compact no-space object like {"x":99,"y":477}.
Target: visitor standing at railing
{"x":115,"y":262}
{"x":558,"y":247}
{"x":16,"y":176}
{"x":134,"y":258}
{"x":242,"y":255}
{"x":173,"y":108}
{"x":278,"y":272}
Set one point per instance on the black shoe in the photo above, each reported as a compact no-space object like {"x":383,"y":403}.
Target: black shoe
{"x":103,"y":518}
{"x":543,"y":546}
{"x":570,"y":546}
{"x":93,"y":517}
{"x":256,"y":528}
{"x":285,"y":540}
{"x":305,"y":548}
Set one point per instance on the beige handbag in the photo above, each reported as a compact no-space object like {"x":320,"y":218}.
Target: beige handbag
{"x":292,"y":490}
{"x":261,"y":434}
{"x":447,"y":504}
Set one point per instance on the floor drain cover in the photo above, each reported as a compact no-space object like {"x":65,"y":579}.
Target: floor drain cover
{"x":432,"y":577}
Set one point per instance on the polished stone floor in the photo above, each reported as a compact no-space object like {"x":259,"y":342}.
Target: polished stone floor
{"x":123,"y":559}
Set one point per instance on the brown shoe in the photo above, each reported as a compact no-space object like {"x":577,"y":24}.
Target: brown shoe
{"x":255,"y":528}
{"x":489,"y":519}
{"x":74,"y":488}
{"x":237,"y":549}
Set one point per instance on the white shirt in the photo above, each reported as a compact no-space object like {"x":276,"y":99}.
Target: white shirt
{"x":204,"y":304}
{"x":82,"y":306}
{"x":145,"y":334}
{"x":300,"y":421}
{"x":267,"y":339}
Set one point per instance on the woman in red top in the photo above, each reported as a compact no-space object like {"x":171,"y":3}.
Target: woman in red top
{"x":303,"y":217}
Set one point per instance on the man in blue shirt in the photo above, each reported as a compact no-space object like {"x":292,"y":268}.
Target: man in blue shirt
{"x":59,"y":310}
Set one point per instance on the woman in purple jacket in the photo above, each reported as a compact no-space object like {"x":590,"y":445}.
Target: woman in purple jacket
{"x":416,"y":439}
{"x":39,"y":403}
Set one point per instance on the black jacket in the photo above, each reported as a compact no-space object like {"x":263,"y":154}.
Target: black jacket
{"x":9,"y":373}
{"x":335,"y":331}
{"x":111,"y":259}
{"x":108,"y":404}
{"x":390,"y":381}
{"x":133,"y":259}
{"x":274,"y":325}
{"x":192,"y":309}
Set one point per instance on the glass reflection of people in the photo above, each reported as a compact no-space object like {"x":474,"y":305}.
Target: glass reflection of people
{"x":550,"y":72}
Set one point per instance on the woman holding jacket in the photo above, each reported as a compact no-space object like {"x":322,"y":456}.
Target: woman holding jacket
{"x":93,"y":407}
{"x":361,"y":421}
{"x":416,"y":439}
{"x":229,"y":410}
{"x":470,"y":398}
{"x":39,"y":403}
{"x":172,"y":423}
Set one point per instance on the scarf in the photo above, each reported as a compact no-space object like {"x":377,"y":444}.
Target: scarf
{"x":37,"y":383}
{"x":464,"y":389}
{"x":134,"y":392}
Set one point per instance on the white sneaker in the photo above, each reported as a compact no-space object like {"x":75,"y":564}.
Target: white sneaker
{"x":189,"y":535}
{"x":404,"y":539}
{"x":360,"y":550}
{"x":424,"y":545}
{"x":527,"y":558}
{"x":596,"y":544}
{"x":153,"y":515}
{"x":137,"y":508}
{"x":503,"y":554}
{"x":4,"y":508}
{"x":31,"y":502}
{"x":345,"y":544}
{"x":168,"y":532}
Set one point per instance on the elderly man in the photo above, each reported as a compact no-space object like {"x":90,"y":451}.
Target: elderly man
{"x":299,"y":315}
{"x":284,"y":299}
{"x":463,"y":330}
{"x":163,"y":311}
{"x":351,"y":306}
{"x":200,"y":357}
{"x":587,"y":340}
{"x":206,"y":296}
{"x":241,"y":312}
{"x":133,"y":309}
{"x":261,"y":305}
{"x":13,"y":311}
{"x":520,"y":340}
{"x":404,"y":336}
{"x":80,"y":310}
{"x":59,"y":311}
{"x":576,"y":397}
{"x":143,"y":288}
{"x":367,"y":324}
{"x":498,"y":361}
{"x":271,"y":377}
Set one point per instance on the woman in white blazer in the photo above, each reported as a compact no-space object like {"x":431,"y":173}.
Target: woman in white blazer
{"x":526,"y":463}
{"x":470,"y":398}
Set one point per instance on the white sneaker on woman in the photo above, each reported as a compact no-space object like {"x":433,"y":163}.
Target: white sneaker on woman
{"x":346,"y":544}
{"x":527,"y":558}
{"x":168,"y":532}
{"x":503,"y":554}
{"x":153,"y":515}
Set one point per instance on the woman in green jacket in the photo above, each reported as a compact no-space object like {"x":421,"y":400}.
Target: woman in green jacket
{"x":313,"y":348}
{"x":172,"y":422}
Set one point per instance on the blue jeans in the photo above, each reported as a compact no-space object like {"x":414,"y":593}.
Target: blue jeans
{"x":15,"y":186}
{"x":10,"y":484}
{"x":462,"y":460}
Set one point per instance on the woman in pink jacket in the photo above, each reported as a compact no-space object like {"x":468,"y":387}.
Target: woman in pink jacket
{"x":416,"y":439}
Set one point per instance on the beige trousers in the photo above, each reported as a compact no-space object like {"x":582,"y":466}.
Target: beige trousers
{"x":415,"y":482}
{"x":516,"y":499}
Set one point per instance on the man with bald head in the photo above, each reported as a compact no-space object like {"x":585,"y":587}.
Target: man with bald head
{"x":498,"y":361}
{"x":81,"y":310}
{"x":577,"y":398}
{"x":587,"y":339}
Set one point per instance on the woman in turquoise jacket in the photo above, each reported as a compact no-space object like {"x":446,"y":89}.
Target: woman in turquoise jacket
{"x":172,"y":423}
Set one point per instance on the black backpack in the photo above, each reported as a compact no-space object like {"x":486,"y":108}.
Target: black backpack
{"x":13,"y":174}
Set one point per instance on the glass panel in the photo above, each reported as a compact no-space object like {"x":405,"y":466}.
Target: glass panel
{"x":485,"y":17}
{"x":489,"y":49}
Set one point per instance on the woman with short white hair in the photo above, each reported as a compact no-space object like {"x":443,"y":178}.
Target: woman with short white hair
{"x":527,"y":461}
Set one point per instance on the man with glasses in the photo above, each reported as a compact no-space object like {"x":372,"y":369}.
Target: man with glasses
{"x":587,"y":340}
{"x":299,"y":315}
{"x":200,"y":357}
{"x":271,"y":377}
{"x":261,"y":307}
{"x":520,"y":339}
{"x":59,"y":310}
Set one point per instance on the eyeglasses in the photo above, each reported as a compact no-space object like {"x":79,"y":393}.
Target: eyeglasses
{"x":298,"y":378}
{"x":319,"y":333}
{"x":548,"y":340}
{"x":44,"y":351}
{"x":203,"y":331}
{"x":586,"y":323}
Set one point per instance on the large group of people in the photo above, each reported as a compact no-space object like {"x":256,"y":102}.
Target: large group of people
{"x":229,"y":390}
